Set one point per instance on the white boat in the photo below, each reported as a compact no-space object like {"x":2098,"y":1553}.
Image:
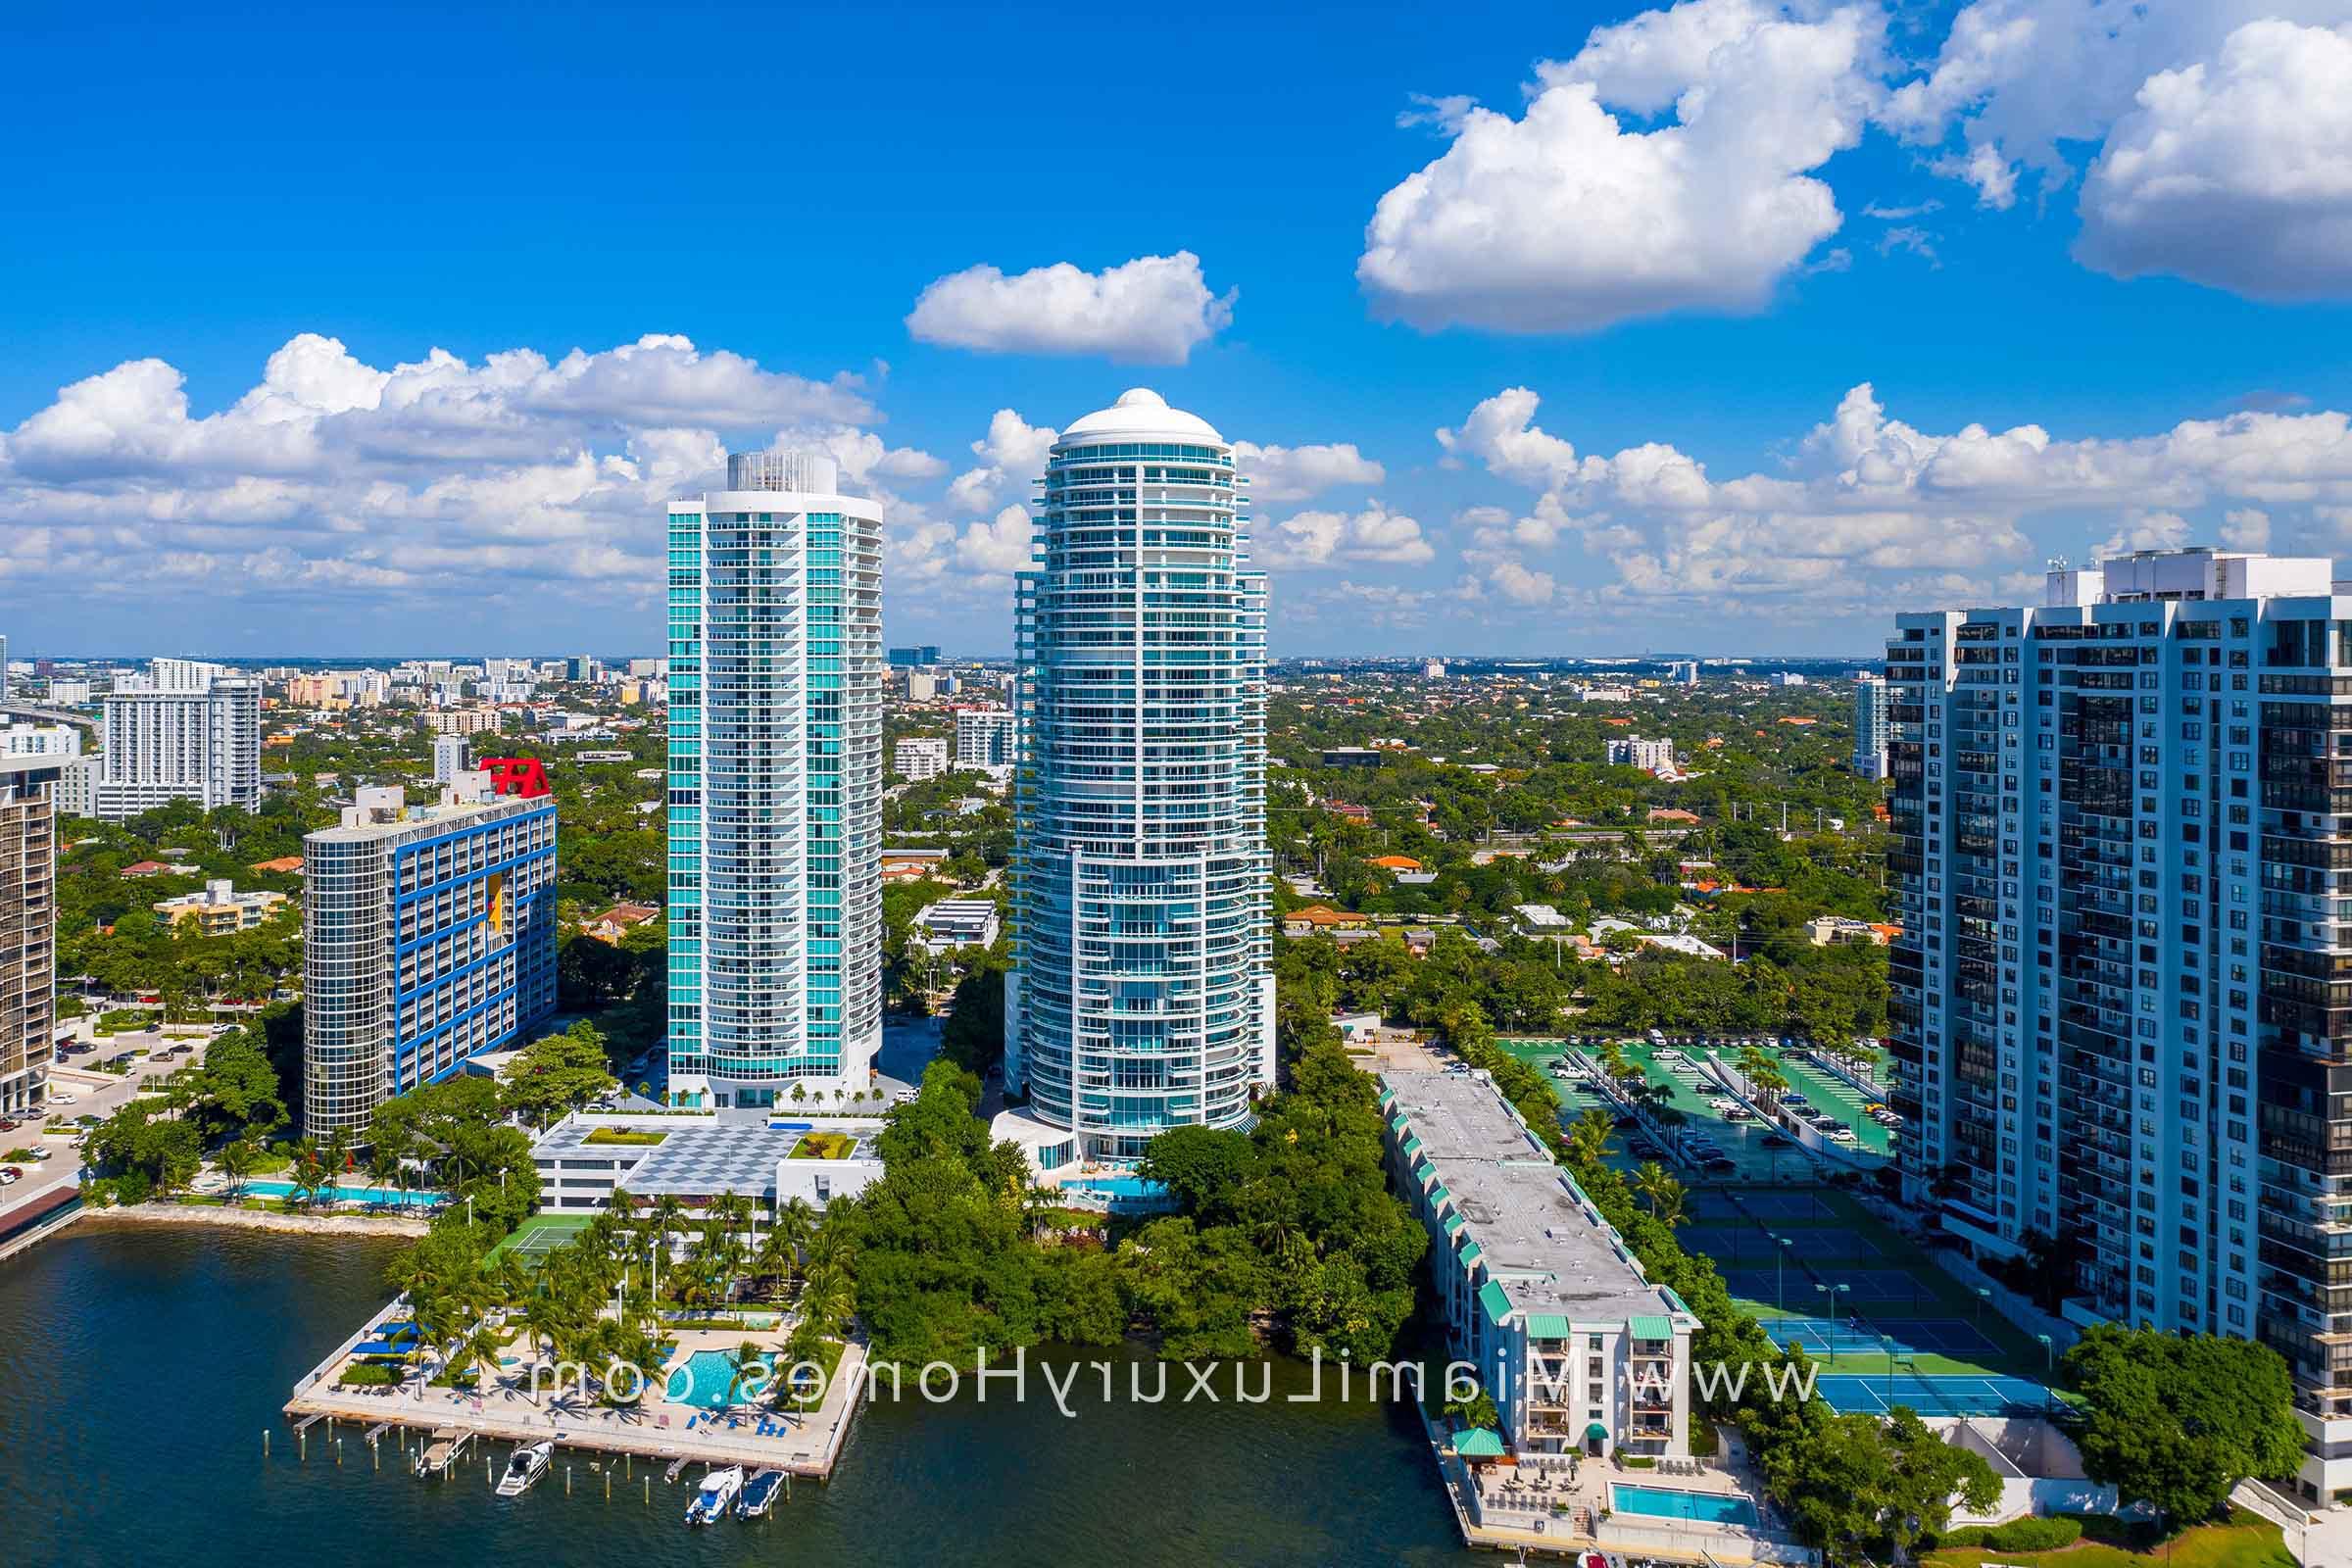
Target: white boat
{"x":716,"y":1496}
{"x":760,"y":1494}
{"x":525,"y":1468}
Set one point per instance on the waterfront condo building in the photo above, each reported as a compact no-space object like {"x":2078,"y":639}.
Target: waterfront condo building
{"x":428,"y":936}
{"x":1142,"y":997}
{"x":1579,"y":1351}
{"x":775,"y":785}
{"x":30,"y":759}
{"x":184,"y":731}
{"x":2122,"y":992}
{"x":1870,"y":727}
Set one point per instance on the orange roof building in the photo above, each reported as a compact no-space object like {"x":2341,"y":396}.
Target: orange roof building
{"x":1397,"y":862}
{"x":290,"y":864}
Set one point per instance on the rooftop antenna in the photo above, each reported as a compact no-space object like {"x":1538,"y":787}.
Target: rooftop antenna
{"x":2059,"y":563}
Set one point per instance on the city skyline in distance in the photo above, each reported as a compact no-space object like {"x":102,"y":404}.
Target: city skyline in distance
{"x":1941,"y":339}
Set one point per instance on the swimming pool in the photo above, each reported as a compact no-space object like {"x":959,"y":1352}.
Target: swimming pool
{"x":1669,"y":1502}
{"x":707,"y":1376}
{"x":386,"y":1196}
{"x":1123,"y":1194}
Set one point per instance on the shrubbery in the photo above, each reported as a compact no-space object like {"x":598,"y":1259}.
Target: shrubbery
{"x":2018,"y":1534}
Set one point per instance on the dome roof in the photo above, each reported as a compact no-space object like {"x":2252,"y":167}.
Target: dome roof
{"x":1140,"y":413}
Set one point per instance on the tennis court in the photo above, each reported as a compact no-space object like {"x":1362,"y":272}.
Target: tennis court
{"x":1932,"y":1395}
{"x":1937,"y":1336}
{"x":1771,"y":1205}
{"x":1876,"y":1284}
{"x":541,"y":1234}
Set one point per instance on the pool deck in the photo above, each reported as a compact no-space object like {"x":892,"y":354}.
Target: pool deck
{"x":655,"y":1429}
{"x":1562,"y":1508}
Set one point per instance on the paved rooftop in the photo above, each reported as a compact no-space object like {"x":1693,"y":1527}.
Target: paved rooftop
{"x":1543,"y":1245}
{"x":697,"y":1158}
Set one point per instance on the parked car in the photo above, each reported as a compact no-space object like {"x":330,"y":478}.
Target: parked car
{"x":9,"y":1175}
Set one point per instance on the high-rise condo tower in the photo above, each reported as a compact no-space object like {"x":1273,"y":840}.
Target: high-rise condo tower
{"x":1142,"y":997}
{"x":775,"y":786}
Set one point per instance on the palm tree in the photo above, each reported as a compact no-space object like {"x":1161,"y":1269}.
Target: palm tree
{"x":337,"y":1156}
{"x":237,"y":1164}
{"x":744,"y":1365}
{"x":383,"y":1165}
{"x":545,"y":1321}
{"x":479,"y":1351}
{"x":308,"y":1175}
{"x":826,"y":1300}
{"x":1589,"y":1137}
{"x":1662,"y":1191}
{"x":795,"y":1227}
{"x":668,"y":1218}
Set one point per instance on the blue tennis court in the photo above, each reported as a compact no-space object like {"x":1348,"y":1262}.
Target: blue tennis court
{"x":1876,"y":1284}
{"x":1933,"y":1395}
{"x":1785,"y":1205}
{"x":1939,"y":1335}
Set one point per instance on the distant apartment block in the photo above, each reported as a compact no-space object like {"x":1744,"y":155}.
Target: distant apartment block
{"x":984,"y":738}
{"x":461,"y":720}
{"x":1650,"y":757}
{"x":219,"y":909}
{"x":914,"y":658}
{"x":920,"y":759}
{"x":1870,"y":727}
{"x":450,"y":757}
{"x":428,"y":937}
{"x":186,"y":731}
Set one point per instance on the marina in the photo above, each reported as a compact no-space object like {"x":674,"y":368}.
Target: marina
{"x":1279,"y":1484}
{"x":689,"y":1415}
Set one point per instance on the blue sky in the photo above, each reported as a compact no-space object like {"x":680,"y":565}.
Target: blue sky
{"x":1637,"y":287}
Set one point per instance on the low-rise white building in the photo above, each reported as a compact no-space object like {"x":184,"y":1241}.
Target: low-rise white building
{"x":953,"y":923}
{"x":770,"y":1160}
{"x":1578,"y":1349}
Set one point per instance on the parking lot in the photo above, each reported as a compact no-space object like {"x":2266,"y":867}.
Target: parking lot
{"x":77,"y":1089}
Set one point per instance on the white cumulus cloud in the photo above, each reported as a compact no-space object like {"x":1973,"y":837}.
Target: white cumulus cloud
{"x":1581,"y":212}
{"x":1293,"y":473}
{"x":2235,"y":173}
{"x":1154,"y":309}
{"x":427,"y":479}
{"x":1313,"y":539}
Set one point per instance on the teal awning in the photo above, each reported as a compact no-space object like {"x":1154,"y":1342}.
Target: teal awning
{"x":1497,"y":1304}
{"x":1651,"y":1328}
{"x":1454,"y":1222}
{"x":1478,"y":1443}
{"x":1438,"y":1195}
{"x":1412,"y":1146}
{"x":1597,"y":1430}
{"x":1546,"y":1326}
{"x":1471,"y":1250}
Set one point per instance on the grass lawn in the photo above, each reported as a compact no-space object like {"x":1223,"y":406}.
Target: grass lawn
{"x":2245,"y":1541}
{"x":823,"y":1146}
{"x":622,"y":1135}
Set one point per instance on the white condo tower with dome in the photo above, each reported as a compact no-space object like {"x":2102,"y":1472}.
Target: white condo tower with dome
{"x":1142,"y":995}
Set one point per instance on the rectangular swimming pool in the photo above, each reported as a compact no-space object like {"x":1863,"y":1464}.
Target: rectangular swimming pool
{"x":1669,"y":1502}
{"x":384,"y":1196}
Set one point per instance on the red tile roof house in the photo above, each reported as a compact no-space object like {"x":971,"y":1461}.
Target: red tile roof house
{"x":147,"y":868}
